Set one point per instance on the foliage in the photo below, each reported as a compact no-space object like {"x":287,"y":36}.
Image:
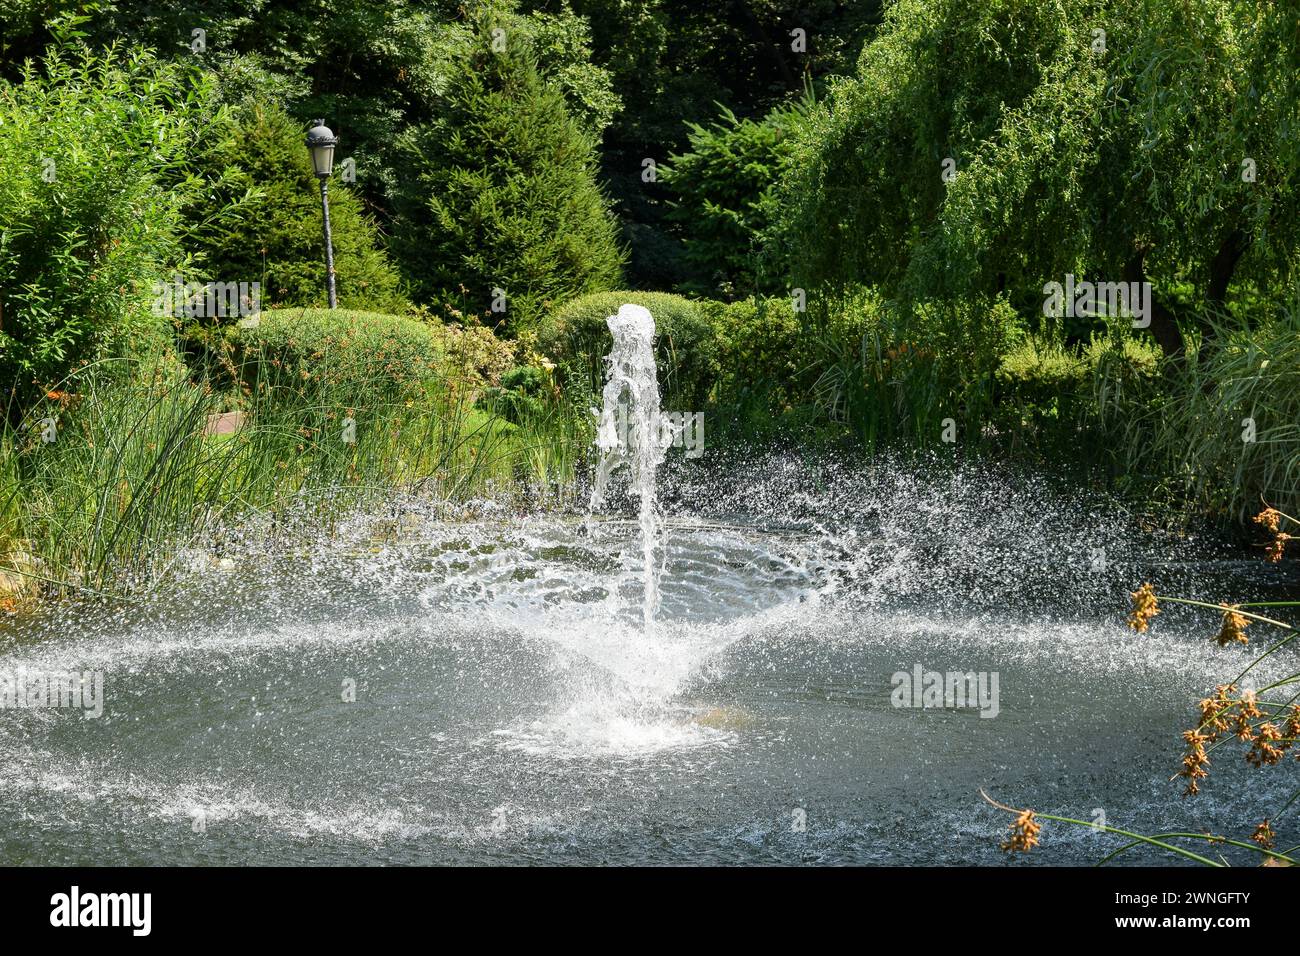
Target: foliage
{"x":275,"y":236}
{"x":916,"y":373}
{"x":474,"y":356}
{"x":138,"y":481}
{"x":86,"y":224}
{"x":672,"y":61}
{"x":1047,"y":395}
{"x":1129,"y":158}
{"x":766,"y":359}
{"x":1118,"y":157}
{"x":346,"y":358}
{"x":856,"y":364}
{"x":577,"y":338}
{"x":522,"y":394}
{"x":724,"y":186}
{"x":501,"y":191}
{"x":1221,"y":438}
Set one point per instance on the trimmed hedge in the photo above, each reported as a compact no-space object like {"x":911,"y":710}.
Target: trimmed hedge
{"x":341,"y":356}
{"x":577,"y":338}
{"x":769,"y":353}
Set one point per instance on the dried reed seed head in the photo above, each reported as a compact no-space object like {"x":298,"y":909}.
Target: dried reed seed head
{"x":1024,"y":833}
{"x":1265,"y":752}
{"x":1264,"y":835}
{"x":1234,"y":626}
{"x":1269,"y":518}
{"x":1291,"y":728}
{"x":1145,"y":607}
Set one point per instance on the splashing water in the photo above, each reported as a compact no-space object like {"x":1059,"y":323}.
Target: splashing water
{"x":632,"y":433}
{"x":461,"y":692}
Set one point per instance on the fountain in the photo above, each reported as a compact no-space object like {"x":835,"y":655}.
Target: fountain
{"x":838,"y":657}
{"x":633,"y":432}
{"x":466,"y":696}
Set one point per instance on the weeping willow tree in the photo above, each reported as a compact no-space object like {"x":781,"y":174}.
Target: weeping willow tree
{"x":987,"y":147}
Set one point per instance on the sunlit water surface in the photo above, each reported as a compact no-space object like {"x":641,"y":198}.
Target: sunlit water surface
{"x":419,"y":688}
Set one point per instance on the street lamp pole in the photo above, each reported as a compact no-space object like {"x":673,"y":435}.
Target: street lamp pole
{"x":321,"y":142}
{"x":329,"y":241}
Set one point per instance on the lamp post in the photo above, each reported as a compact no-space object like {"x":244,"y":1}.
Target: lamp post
{"x":321,"y":142}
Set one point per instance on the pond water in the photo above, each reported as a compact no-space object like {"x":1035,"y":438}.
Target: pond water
{"x":423,"y":687}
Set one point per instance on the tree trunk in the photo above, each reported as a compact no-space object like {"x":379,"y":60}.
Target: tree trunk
{"x":1164,"y":324}
{"x":1222,"y":268}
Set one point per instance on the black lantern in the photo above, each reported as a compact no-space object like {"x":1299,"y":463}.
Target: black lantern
{"x":321,"y":142}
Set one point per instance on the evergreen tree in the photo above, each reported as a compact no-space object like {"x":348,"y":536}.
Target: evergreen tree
{"x":725,"y":187}
{"x":275,"y":236}
{"x":500,"y":190}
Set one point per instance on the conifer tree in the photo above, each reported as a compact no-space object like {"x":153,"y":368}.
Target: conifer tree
{"x":500,"y":190}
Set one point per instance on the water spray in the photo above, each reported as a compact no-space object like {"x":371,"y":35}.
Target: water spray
{"x":632,"y":433}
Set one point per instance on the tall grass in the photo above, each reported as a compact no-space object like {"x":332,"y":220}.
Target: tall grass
{"x":921,"y":376}
{"x":1218,"y":435}
{"x":1211,"y":436}
{"x":135,"y":474}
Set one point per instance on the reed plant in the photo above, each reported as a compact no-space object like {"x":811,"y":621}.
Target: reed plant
{"x":123,"y":466}
{"x":1220,"y":433}
{"x":1262,"y":721}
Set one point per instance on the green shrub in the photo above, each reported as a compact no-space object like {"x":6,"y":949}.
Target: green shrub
{"x":1043,"y":395}
{"x":577,"y":338}
{"x":342,"y":358}
{"x":86,"y":223}
{"x":500,"y":190}
{"x":521,"y":396}
{"x":268,"y":223}
{"x":939,"y":360}
{"x":766,"y":353}
{"x":883,"y":371}
{"x":1042,"y":367}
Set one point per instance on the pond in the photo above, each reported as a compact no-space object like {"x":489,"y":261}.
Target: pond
{"x":422,"y":686}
